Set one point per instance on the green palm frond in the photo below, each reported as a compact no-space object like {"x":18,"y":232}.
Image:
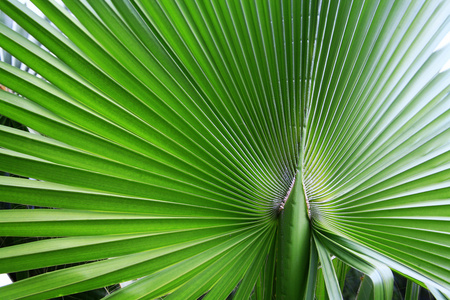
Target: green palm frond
{"x":226,"y":147}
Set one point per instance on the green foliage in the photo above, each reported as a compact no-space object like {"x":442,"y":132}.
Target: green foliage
{"x":226,"y":147}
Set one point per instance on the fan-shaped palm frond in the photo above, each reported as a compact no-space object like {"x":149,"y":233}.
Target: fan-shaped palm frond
{"x":226,"y":147}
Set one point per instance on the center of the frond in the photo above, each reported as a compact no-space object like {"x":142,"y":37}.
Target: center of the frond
{"x":288,"y":194}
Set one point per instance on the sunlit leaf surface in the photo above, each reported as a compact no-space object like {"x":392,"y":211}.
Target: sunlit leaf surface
{"x":225,"y":147}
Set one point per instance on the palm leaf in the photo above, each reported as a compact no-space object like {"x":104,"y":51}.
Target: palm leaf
{"x":226,"y":147}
